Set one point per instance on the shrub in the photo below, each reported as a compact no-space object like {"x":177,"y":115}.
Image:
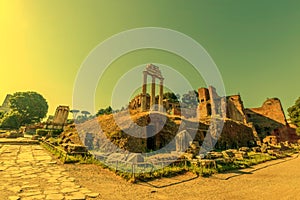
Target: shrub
{"x":10,"y":120}
{"x":52,"y":132}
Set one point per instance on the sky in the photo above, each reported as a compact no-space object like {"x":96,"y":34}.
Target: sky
{"x":255,"y":45}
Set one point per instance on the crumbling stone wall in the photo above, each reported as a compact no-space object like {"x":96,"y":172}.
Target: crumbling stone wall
{"x":271,"y":109}
{"x":59,"y":120}
{"x":269,"y":119}
{"x":235,"y":135}
{"x":235,"y":109}
{"x":211,"y":104}
{"x":205,"y":109}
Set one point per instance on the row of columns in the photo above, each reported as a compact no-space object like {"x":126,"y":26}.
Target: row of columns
{"x":152,"y":95}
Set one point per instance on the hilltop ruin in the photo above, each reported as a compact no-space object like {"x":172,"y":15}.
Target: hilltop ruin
{"x":242,"y":126}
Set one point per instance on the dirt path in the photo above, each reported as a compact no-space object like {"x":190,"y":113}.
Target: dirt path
{"x":279,"y":179}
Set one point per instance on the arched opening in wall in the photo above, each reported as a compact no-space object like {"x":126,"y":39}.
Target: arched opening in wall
{"x":208,"y":108}
{"x":150,"y":140}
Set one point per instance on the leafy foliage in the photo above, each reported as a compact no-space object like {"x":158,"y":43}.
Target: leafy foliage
{"x":1,"y":114}
{"x":171,"y":97}
{"x":11,"y":120}
{"x":190,"y":99}
{"x":74,"y":112}
{"x":294,"y":114}
{"x":85,"y":113}
{"x":31,"y":107}
{"x":105,"y":111}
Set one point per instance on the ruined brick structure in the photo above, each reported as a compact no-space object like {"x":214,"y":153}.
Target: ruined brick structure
{"x":235,"y":109}
{"x":241,"y":126}
{"x":211,"y":104}
{"x":271,"y":109}
{"x":270,"y":120}
{"x":59,"y":120}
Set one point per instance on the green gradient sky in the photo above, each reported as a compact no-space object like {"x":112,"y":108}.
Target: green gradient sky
{"x":255,"y":44}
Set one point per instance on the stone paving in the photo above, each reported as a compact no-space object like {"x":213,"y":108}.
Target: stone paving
{"x":29,"y":172}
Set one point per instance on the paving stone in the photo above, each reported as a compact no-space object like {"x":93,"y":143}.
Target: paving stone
{"x":68,"y":184}
{"x":34,"y":197}
{"x":92,"y":195}
{"x":52,"y":181}
{"x":84,"y":190}
{"x":55,"y":196}
{"x":3,"y":168}
{"x":71,"y":179}
{"x":29,"y":186}
{"x":14,"y":198}
{"x":28,"y":194}
{"x":22,"y":167}
{"x":15,"y":189}
{"x":69,"y":190}
{"x":76,"y":195}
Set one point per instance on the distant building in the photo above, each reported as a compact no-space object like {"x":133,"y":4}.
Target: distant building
{"x":5,"y":105}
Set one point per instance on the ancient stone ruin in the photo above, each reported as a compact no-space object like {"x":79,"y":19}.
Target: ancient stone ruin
{"x":155,"y":73}
{"x":242,"y":126}
{"x":59,"y":120}
{"x":211,"y":104}
{"x":182,"y":133}
{"x":270,"y":120}
{"x":270,"y":109}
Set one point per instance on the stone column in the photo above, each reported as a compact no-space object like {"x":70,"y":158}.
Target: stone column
{"x":223,"y":107}
{"x":161,"y":93}
{"x":152,"y":100}
{"x":144,"y":92}
{"x":213,"y":100}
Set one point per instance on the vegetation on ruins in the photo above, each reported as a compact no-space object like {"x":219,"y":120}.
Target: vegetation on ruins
{"x":190,"y":99}
{"x":10,"y":120}
{"x":294,"y":114}
{"x":1,"y":114}
{"x":26,"y":108}
{"x":104,"y":111}
{"x":171,"y":97}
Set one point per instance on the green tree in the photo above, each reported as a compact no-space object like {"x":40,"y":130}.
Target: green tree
{"x":100,"y":112}
{"x":190,"y":99}
{"x":85,"y":113}
{"x":171,"y":97}
{"x":31,"y":106}
{"x":108,"y":110}
{"x":10,"y":120}
{"x":105,"y":111}
{"x":74,"y":112}
{"x":1,"y":114}
{"x":294,"y":114}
